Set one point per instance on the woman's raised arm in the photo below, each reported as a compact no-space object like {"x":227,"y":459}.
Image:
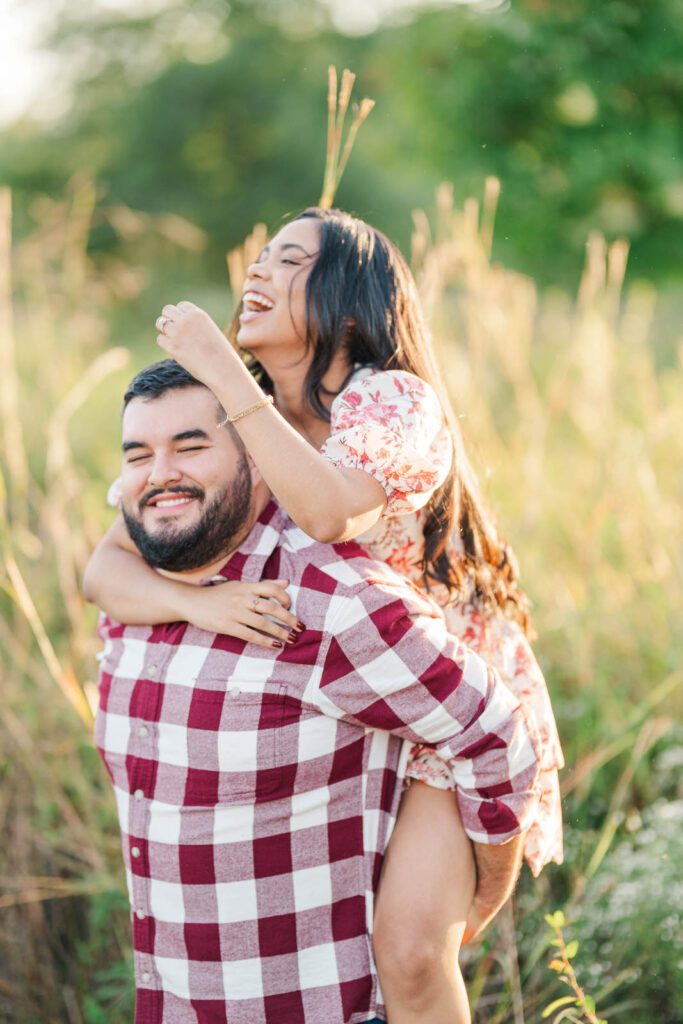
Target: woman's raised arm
{"x":329,"y":500}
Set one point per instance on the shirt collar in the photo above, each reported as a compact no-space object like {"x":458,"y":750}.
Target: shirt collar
{"x":248,"y":561}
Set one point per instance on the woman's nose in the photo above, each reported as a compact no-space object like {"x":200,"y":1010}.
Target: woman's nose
{"x":258,"y":270}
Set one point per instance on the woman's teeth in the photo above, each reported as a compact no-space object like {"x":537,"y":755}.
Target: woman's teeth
{"x":256,"y":303}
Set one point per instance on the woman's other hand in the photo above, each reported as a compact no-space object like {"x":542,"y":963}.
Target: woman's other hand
{"x":255,"y":612}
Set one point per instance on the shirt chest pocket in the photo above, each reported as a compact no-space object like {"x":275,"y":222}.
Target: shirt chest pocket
{"x":235,"y":745}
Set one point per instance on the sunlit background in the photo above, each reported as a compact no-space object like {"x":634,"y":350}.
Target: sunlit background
{"x":527,"y":157}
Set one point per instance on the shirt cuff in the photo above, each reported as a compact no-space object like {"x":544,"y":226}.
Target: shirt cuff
{"x":494,"y":822}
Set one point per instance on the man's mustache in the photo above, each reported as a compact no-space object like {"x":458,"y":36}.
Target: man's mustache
{"x":193,"y":492}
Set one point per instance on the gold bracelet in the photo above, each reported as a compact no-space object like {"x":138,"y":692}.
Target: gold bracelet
{"x":268,"y":400}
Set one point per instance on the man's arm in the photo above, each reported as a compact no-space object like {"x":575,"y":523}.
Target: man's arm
{"x":395,"y":668}
{"x":497,"y":872}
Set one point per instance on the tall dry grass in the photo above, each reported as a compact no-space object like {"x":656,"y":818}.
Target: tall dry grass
{"x":578,"y":437}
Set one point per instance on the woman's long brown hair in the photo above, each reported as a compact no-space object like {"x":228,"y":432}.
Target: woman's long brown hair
{"x":361,"y":295}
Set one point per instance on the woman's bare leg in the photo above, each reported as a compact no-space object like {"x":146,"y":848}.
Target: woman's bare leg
{"x":427,"y":886}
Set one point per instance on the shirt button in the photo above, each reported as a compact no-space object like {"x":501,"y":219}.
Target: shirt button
{"x":138,"y":794}
{"x":140,"y":914}
{"x":135,"y":851}
{"x":143,"y":730}
{"x":146,"y":977}
{"x":235,"y":691}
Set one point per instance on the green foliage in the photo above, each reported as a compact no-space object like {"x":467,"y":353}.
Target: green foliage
{"x":632,"y":924}
{"x":216,"y":113}
{"x":576,"y":107}
{"x":110,"y":992}
{"x":582,"y":1004}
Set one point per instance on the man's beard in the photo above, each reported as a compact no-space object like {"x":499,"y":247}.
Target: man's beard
{"x":221,"y":522}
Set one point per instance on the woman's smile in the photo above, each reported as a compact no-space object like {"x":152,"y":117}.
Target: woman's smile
{"x":254,"y":304}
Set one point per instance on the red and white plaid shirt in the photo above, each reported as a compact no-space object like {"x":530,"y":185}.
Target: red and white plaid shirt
{"x":257,"y":789}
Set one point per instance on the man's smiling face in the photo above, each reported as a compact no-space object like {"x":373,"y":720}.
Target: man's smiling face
{"x":185,"y":485}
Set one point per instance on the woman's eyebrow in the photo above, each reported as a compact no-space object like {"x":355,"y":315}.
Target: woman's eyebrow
{"x":285,"y":245}
{"x":294,"y":245}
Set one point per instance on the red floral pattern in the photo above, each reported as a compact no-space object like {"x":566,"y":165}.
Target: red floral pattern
{"x":390,"y":424}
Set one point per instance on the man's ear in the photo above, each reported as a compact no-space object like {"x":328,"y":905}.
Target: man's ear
{"x":254,"y":471}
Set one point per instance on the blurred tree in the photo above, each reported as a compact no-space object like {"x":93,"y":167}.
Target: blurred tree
{"x":217,"y":112}
{"x":577,"y":107}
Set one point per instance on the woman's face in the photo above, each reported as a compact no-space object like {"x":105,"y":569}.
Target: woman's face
{"x":274,"y":294}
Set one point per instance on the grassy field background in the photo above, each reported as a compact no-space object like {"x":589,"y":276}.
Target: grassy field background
{"x":572,"y":409}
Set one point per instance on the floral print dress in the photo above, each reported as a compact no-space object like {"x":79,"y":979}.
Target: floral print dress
{"x":390,"y":425}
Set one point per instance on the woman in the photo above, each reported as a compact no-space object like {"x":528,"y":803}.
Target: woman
{"x":345,"y":418}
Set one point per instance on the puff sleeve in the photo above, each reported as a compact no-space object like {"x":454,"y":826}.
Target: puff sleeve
{"x":389,"y":423}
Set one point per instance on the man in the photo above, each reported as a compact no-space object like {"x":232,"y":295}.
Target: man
{"x":257,"y":788}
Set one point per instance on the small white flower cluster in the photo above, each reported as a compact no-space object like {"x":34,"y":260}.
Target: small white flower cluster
{"x":634,"y":909}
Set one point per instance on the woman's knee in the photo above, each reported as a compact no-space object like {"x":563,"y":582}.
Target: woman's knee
{"x":413,"y":955}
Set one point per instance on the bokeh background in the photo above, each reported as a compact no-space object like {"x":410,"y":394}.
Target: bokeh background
{"x":527,"y":157}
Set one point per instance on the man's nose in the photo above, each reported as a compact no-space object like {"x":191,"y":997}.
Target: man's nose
{"x":163,"y":471}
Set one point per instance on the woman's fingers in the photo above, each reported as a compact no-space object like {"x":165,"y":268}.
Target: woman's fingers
{"x":262,"y":622}
{"x":257,"y":612}
{"x":273,"y":606}
{"x":274,"y":589}
{"x":253,"y":636}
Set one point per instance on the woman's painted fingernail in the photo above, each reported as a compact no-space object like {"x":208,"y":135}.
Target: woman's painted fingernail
{"x":277,"y":643}
{"x":292,"y":637}
{"x":300,"y":626}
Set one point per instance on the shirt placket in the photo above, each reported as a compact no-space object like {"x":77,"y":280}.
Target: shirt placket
{"x":142,"y":779}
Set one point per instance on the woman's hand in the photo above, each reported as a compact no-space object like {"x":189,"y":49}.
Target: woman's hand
{"x":243,"y":610}
{"x":191,"y":337}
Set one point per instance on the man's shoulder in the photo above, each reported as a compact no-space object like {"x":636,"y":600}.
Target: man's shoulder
{"x":109,"y":629}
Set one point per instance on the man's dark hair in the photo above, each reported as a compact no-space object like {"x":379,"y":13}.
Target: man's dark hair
{"x":168,"y":375}
{"x":155,"y":380}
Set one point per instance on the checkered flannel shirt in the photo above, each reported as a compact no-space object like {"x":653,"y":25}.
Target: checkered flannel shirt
{"x":257,"y":788}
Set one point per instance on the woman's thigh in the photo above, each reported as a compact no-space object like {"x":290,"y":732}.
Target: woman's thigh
{"x":429,"y":876}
